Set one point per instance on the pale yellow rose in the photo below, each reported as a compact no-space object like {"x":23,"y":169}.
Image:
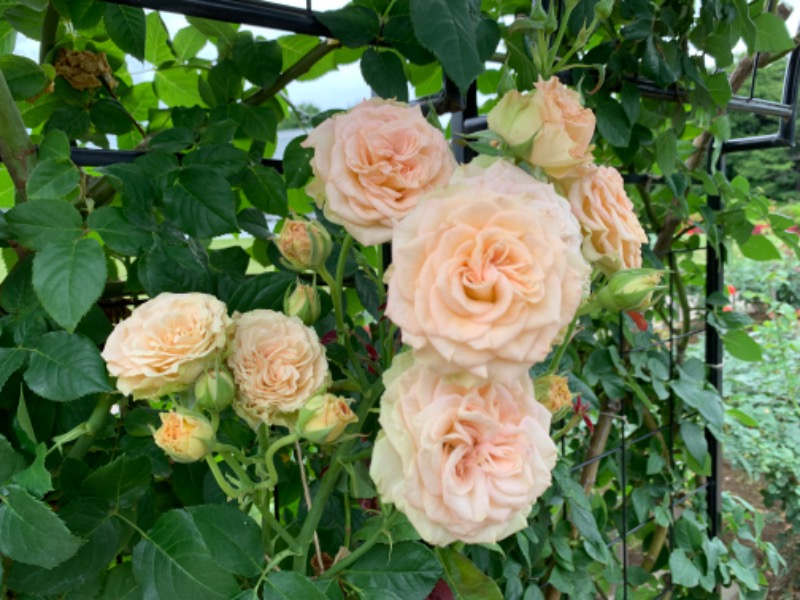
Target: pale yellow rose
{"x":463,"y":463}
{"x":278,"y":364}
{"x":487,"y":271}
{"x":185,"y":438}
{"x":373,"y":164}
{"x":166,"y":343}
{"x":552,"y":119}
{"x":324,"y":418}
{"x":613,"y":236}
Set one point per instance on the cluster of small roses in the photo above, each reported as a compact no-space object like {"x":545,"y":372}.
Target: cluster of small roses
{"x":490,"y":265}
{"x":268,"y":365}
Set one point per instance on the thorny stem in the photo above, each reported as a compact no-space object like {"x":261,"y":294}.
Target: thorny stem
{"x":16,"y":148}
{"x":307,"y":496}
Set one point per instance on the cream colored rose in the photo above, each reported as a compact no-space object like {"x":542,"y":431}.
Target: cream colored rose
{"x":373,"y":163}
{"x":324,"y":418}
{"x":166,"y":343}
{"x":463,"y":463}
{"x":278,"y":364}
{"x":185,"y":438}
{"x":552,"y":118}
{"x":487,"y":271}
{"x":613,"y":236}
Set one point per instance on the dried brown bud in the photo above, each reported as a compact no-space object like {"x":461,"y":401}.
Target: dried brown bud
{"x":84,"y":70}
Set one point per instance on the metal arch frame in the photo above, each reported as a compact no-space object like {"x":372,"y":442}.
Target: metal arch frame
{"x":466,"y":120}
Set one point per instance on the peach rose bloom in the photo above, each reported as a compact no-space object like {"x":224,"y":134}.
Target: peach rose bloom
{"x":373,"y":164}
{"x":278,"y":364}
{"x":167,"y":343}
{"x":487,"y":271}
{"x":553,"y":119}
{"x":185,"y":438}
{"x":463,"y":463}
{"x":613,"y":236}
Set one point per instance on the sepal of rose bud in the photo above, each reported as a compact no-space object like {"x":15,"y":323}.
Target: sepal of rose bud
{"x":632,"y":289}
{"x":302,"y":302}
{"x":304,"y":245}
{"x":215,"y":389}
{"x":186,"y":437}
{"x":324,"y":418}
{"x":602,"y":10}
{"x":552,"y":392}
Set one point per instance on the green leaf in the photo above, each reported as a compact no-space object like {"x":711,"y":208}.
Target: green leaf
{"x":225,"y":81}
{"x":117,"y":232}
{"x":354,"y":26}
{"x":109,"y":116}
{"x":72,"y":120}
{"x":175,"y":268}
{"x":156,"y":44}
{"x":178,"y":86}
{"x":742,"y":346}
{"x":31,"y":533}
{"x":383,"y":71}
{"x":466,"y":581}
{"x":224,"y":159}
{"x":126,"y":26}
{"x":11,"y":360}
{"x":10,"y":461}
{"x":36,"y":478}
{"x":448,"y":29}
{"x":201,"y":203}
{"x":706,"y":402}
{"x":84,"y":14}
{"x":409,"y":566}
{"x":53,"y":179}
{"x":612,"y":122}
{"x":290,"y":585}
{"x":232,"y":537}
{"x":172,"y":561}
{"x":65,"y":367}
{"x":719,"y":88}
{"x":121,"y":584}
{"x":771,"y":34}
{"x":263,"y":291}
{"x":42,"y":222}
{"x":188,"y":42}
{"x":666,"y":152}
{"x":55,"y":145}
{"x":221,"y":32}
{"x":259,"y":122}
{"x":259,"y":61}
{"x":24,"y":77}
{"x":742,"y":417}
{"x":119,"y":483}
{"x":684,"y":572}
{"x":760,"y":247}
{"x":26,"y":20}
{"x":265,"y":189}
{"x":68,"y":278}
{"x":695,"y":440}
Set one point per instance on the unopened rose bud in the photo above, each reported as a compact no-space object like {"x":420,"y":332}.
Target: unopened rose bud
{"x":304,"y":244}
{"x":214,"y":390}
{"x":323,"y":419}
{"x":632,"y":289}
{"x":515,"y":118}
{"x":302,"y":302}
{"x":551,"y":23}
{"x":184,"y":437}
{"x":552,"y":392}
{"x":602,"y":9}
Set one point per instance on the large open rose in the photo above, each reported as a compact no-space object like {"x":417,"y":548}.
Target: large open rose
{"x":552,"y":119}
{"x":613,"y":236}
{"x":463,"y":463}
{"x":373,"y":163}
{"x":486,"y":273}
{"x":278,"y":364}
{"x":166,"y":343}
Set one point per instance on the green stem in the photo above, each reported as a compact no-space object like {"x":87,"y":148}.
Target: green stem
{"x":563,"y":347}
{"x":234,"y":464}
{"x":326,"y":487}
{"x":271,"y":565}
{"x":275,"y":525}
{"x":298,"y":69}
{"x":220,"y":478}
{"x":16,"y":149}
{"x":348,"y":524}
{"x":360,"y":551}
{"x":270,"y":456}
{"x":49,"y":32}
{"x":93,"y":425}
{"x":574,"y":420}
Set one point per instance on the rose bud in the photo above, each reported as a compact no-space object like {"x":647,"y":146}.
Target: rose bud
{"x":304,"y":244}
{"x":632,"y":289}
{"x":215,"y":389}
{"x":323,"y":419}
{"x":184,"y":437}
{"x":552,"y":392}
{"x":302,"y":302}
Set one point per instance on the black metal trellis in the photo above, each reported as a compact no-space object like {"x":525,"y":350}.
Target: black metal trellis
{"x":465,"y":120}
